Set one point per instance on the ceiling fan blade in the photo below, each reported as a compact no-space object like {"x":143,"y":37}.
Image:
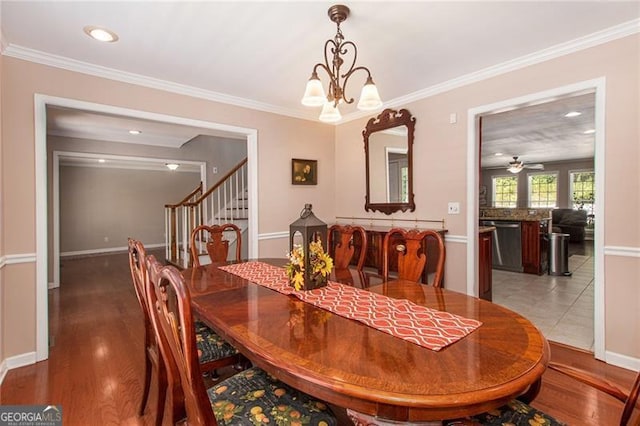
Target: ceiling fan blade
{"x":534,"y":166}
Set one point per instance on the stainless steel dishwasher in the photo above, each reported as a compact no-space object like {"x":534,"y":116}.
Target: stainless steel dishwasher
{"x":507,"y":244}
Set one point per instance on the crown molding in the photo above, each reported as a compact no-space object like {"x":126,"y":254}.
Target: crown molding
{"x":562,"y":49}
{"x":576,"y":45}
{"x":31,"y":55}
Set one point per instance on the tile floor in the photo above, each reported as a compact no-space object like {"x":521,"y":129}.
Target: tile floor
{"x":561,"y":307}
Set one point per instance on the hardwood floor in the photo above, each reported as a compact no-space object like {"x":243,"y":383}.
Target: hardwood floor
{"x":95,"y":368}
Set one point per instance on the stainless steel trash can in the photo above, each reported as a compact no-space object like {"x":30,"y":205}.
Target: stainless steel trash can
{"x":559,"y":254}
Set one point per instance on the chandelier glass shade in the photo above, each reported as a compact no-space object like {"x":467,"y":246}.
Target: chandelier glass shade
{"x":334,"y":58}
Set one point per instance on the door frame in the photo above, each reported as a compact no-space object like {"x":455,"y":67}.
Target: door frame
{"x":40,"y":141}
{"x":473,"y":160}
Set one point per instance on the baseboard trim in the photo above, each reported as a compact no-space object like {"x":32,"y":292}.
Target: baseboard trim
{"x":105,"y":250}
{"x":3,"y":370}
{"x":624,"y":361}
{"x":21,"y":360}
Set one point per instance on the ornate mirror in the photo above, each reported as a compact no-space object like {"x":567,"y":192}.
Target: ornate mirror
{"x":388,"y":148}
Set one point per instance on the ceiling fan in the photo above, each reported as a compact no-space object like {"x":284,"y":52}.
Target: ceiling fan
{"x":516,"y":166}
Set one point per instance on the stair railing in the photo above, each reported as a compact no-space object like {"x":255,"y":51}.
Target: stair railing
{"x":171,"y":220}
{"x":224,"y":202}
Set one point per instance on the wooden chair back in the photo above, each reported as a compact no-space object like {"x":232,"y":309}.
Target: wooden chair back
{"x":173,"y":325}
{"x":342,"y":249}
{"x":630,"y":399}
{"x":411,"y":253}
{"x":137,"y":265}
{"x":137,"y":256}
{"x":217,"y":246}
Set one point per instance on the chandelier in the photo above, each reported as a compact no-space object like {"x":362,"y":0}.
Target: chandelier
{"x":334,"y":51}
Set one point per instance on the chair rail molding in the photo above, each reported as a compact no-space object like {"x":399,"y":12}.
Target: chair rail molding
{"x":273,"y":235}
{"x":12,"y":259}
{"x":622,"y":251}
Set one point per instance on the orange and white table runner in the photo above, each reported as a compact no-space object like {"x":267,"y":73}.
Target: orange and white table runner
{"x":401,"y":318}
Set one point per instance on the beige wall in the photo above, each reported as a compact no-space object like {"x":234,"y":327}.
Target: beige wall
{"x":440,"y":164}
{"x":279,"y":139}
{"x":101,"y":207}
{"x":439,"y":153}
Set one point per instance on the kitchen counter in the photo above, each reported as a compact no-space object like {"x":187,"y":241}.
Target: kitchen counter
{"x":515,"y":214}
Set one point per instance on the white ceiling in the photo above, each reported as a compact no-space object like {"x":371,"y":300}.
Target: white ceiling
{"x":75,"y":123}
{"x":540,"y":133}
{"x":260,"y":54}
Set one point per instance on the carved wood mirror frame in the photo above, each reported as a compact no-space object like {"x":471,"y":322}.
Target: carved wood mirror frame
{"x":389,"y":119}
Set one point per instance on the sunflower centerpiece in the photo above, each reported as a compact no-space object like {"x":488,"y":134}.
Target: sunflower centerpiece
{"x":309,"y":265}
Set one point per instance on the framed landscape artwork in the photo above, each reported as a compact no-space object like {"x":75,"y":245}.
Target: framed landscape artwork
{"x":304,"y":172}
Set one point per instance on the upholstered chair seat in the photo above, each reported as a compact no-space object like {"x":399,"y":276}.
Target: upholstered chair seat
{"x":253,"y":397}
{"x":211,"y":346}
{"x":514,"y":413}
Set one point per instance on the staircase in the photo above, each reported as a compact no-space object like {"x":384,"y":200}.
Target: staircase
{"x":225,"y":202}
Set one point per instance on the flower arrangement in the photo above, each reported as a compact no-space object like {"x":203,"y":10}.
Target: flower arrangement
{"x":320,"y":264}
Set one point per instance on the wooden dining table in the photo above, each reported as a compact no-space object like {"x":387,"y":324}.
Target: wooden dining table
{"x":355,"y":366}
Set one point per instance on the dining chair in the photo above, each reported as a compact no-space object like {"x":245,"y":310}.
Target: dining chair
{"x":152,"y":360}
{"x":217,"y":246}
{"x":341,"y":247}
{"x":410,"y":247}
{"x":247,"y":398}
{"x":214,"y":351}
{"x":630,"y":398}
{"x":518,"y":413}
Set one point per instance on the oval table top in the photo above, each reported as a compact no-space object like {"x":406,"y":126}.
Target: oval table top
{"x":355,"y":366}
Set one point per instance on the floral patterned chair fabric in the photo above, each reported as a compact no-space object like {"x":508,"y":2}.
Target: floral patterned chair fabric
{"x":515,"y":413}
{"x":253,"y":397}
{"x":211,"y":346}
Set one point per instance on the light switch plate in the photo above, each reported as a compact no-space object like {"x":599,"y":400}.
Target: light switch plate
{"x":453,"y":208}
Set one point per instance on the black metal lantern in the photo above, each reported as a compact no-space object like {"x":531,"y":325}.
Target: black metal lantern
{"x":311,"y":230}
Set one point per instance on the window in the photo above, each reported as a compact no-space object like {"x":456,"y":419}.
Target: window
{"x":404,"y":186}
{"x":543,"y":190}
{"x":505,"y":191}
{"x":582,"y":190}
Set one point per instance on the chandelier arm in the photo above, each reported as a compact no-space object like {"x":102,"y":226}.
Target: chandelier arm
{"x":346,"y":79}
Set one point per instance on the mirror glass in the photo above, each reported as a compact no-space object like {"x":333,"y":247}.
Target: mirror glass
{"x":388,"y":141}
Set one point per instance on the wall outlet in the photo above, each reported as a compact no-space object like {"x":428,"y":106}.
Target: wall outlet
{"x":453,"y":208}
{"x":106,"y":239}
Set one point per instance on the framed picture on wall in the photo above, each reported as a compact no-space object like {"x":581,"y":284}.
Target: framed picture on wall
{"x":304,"y":172}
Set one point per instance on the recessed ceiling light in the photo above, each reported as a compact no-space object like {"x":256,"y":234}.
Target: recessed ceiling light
{"x":589,"y":132}
{"x":102,"y":160}
{"x":134,"y":132}
{"x":573,"y":114}
{"x":172,"y":166}
{"x":101,"y":34}
{"x":498,"y":154}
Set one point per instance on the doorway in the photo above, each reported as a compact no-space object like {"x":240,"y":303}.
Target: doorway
{"x":41,"y":103}
{"x":592,"y":86}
